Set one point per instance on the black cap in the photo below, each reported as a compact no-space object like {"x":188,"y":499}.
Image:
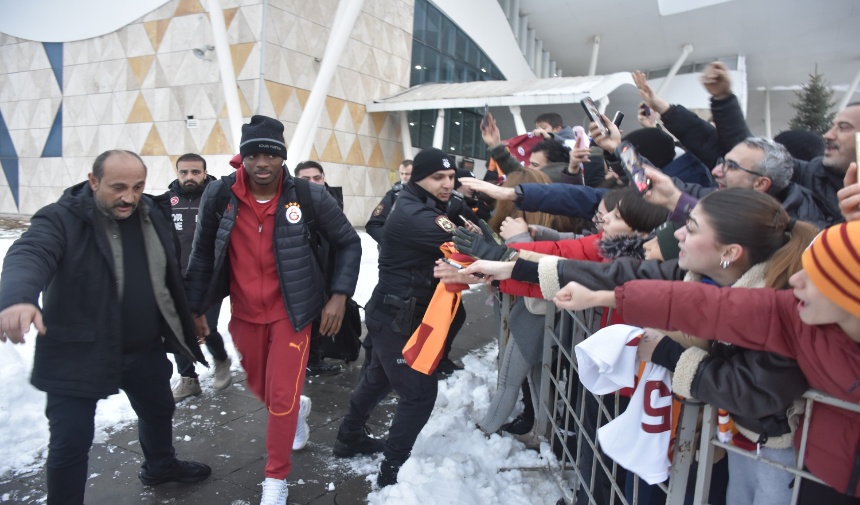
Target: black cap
{"x":263,"y":135}
{"x":428,"y":162}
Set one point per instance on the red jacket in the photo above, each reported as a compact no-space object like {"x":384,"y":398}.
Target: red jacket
{"x":767,"y":320}
{"x":255,"y":292}
{"x":584,"y":248}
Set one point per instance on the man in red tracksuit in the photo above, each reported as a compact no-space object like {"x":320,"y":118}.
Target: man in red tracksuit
{"x":252,"y":237}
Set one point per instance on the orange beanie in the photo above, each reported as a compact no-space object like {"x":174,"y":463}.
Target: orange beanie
{"x":832,"y":263}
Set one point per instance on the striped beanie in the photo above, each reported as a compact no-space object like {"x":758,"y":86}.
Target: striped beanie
{"x":832,"y":263}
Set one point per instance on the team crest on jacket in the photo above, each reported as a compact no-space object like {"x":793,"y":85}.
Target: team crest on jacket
{"x":446,"y":224}
{"x":174,"y":200}
{"x":294,"y":212}
{"x":378,"y":210}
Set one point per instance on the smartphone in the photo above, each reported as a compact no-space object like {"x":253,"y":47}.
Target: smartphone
{"x":484,"y":120}
{"x":646,"y":111}
{"x":460,"y":267}
{"x":594,"y":114}
{"x":634,"y":165}
{"x":619,"y":116}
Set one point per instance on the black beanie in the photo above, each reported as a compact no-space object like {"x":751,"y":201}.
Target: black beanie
{"x":802,"y":144}
{"x":263,"y":135}
{"x":428,"y":162}
{"x":654,"y":144}
{"x":667,"y":241}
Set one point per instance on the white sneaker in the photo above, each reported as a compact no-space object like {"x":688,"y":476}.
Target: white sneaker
{"x":303,"y":430}
{"x":223,"y":378}
{"x":187,"y":386}
{"x":275,"y":492}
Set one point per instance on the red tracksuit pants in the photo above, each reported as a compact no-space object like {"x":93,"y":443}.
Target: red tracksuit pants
{"x":274,"y":357}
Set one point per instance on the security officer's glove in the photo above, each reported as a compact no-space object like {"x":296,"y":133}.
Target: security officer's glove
{"x":488,"y":246}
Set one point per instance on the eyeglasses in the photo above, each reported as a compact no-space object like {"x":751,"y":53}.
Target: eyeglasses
{"x":731,"y":165}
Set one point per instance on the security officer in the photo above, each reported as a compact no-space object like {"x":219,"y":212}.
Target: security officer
{"x":380,"y":213}
{"x":415,"y":229}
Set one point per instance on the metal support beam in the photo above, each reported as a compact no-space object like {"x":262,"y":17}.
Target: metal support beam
{"x":595,"y":50}
{"x":228,"y":74}
{"x":405,"y":135}
{"x":767,"y":125}
{"x":685,"y":51}
{"x":518,"y":119}
{"x":344,"y":22}
{"x":849,"y":92}
{"x":439,"y":131}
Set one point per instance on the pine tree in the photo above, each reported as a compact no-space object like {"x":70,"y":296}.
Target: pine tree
{"x":813,"y":110}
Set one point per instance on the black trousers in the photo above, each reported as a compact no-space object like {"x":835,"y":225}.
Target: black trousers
{"x":387,"y":371}
{"x":214,"y":342}
{"x":146,"y":381}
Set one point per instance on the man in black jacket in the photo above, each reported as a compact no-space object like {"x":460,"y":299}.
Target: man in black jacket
{"x":252,"y":242}
{"x":184,"y":194}
{"x":380,"y":212}
{"x":104,"y":258}
{"x":412,"y":235}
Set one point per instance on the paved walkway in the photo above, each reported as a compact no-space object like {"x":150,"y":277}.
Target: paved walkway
{"x":226,"y":430}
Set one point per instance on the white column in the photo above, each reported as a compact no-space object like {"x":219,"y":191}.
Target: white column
{"x":439,"y":131}
{"x":530,"y":50}
{"x":849,"y":92}
{"x":552,"y":69}
{"x":595,"y":50}
{"x":685,"y":51}
{"x":405,"y":135}
{"x":544,"y":65}
{"x":344,"y":21}
{"x":514,"y":17}
{"x":523,"y":37}
{"x":228,"y":75}
{"x":767,"y":125}
{"x":538,"y":58}
{"x":262,"y":78}
{"x":518,"y":119}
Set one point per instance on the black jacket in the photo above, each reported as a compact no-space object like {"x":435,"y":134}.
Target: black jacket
{"x":380,"y":213}
{"x":65,"y":255}
{"x":824,"y":183}
{"x":410,"y":246}
{"x":699,"y":137}
{"x":183,"y":207}
{"x":301,"y":279}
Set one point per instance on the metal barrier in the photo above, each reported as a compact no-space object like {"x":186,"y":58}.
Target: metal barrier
{"x":567,"y":416}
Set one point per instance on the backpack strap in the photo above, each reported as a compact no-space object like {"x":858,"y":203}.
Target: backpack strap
{"x":306,"y":203}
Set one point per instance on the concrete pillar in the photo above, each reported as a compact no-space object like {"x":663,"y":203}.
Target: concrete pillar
{"x":595,"y":50}
{"x":518,"y":119}
{"x":344,"y":21}
{"x":538,"y":58}
{"x":685,"y":51}
{"x":405,"y":135}
{"x":544,"y":65}
{"x":228,"y":74}
{"x":523,"y":37}
{"x":439,"y":133}
{"x":530,"y":50}
{"x":767,"y":125}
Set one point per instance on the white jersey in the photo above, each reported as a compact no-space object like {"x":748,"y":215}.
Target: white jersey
{"x":639,"y":438}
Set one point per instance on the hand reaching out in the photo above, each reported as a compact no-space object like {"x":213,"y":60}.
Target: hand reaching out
{"x":490,"y":132}
{"x":717,"y":80}
{"x":651,"y":100}
{"x":513,"y":226}
{"x":849,"y":196}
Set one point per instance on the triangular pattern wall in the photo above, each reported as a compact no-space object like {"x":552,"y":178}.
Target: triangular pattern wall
{"x":64,"y":103}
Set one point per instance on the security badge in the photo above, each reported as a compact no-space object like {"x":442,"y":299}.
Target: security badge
{"x":378,"y":210}
{"x":446,"y":224}
{"x":294,"y":212}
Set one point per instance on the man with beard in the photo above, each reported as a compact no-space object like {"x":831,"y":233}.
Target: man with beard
{"x":184,"y":194}
{"x":104,"y":260}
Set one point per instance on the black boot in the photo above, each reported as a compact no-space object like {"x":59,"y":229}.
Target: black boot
{"x":179,"y":471}
{"x":355,"y":442}
{"x":388,"y":470}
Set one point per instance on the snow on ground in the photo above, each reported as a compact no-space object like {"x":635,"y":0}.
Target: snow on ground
{"x":452,"y":462}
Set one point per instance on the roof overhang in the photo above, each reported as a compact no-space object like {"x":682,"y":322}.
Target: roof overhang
{"x":555,"y":90}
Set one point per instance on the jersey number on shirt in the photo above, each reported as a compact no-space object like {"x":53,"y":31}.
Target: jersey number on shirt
{"x":663,"y":413}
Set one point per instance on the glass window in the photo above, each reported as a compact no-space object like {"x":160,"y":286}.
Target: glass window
{"x":441,"y":52}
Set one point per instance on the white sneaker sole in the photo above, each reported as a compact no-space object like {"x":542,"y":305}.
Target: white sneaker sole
{"x":298,"y":445}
